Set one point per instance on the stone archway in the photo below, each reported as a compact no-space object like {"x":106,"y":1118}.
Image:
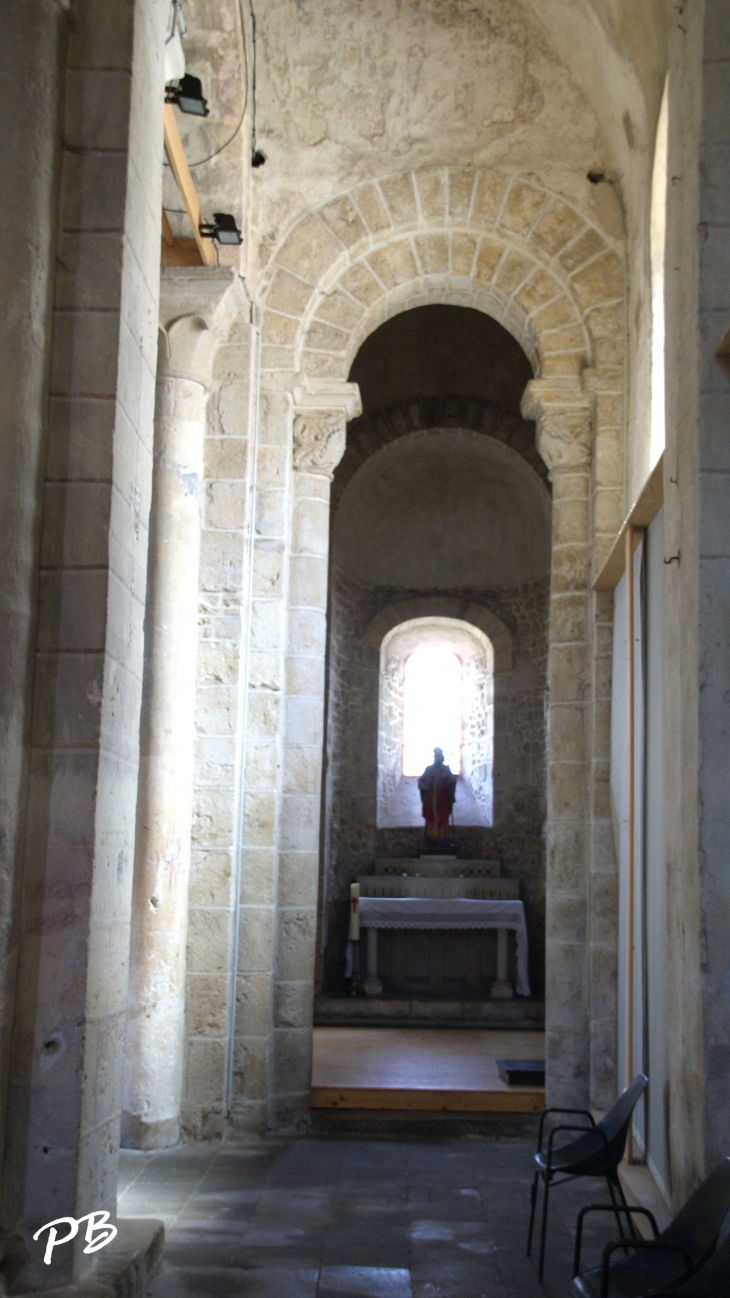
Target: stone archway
{"x":526,"y":256}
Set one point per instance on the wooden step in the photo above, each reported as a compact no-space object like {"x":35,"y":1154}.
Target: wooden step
{"x":515,"y":1099}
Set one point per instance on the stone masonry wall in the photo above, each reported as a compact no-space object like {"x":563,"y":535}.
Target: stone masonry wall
{"x":351,"y":837}
{"x":215,"y":838}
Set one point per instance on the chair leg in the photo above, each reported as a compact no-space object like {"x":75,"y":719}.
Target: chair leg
{"x":543,"y":1228}
{"x":632,"y":1225}
{"x":617,"y":1214}
{"x":533,"y":1201}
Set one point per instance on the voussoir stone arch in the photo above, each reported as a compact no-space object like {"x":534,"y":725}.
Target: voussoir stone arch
{"x":502,"y":244}
{"x":450,"y":606}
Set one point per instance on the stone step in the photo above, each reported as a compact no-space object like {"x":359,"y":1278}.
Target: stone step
{"x":384,"y":1011}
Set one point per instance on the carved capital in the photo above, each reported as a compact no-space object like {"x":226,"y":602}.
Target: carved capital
{"x":319,"y":440}
{"x":322,"y":409}
{"x":562,"y":411}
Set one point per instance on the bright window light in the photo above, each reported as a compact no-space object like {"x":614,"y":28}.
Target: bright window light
{"x":658,"y":248}
{"x":432,"y":709}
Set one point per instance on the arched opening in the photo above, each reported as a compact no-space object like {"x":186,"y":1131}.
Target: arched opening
{"x":441,"y":496}
{"x":436,"y":689}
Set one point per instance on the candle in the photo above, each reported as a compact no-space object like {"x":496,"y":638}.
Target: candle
{"x":354,"y":912}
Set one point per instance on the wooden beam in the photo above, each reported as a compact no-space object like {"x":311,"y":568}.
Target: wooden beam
{"x":723,"y":347}
{"x":186,"y":185}
{"x":515,"y":1099}
{"x":167,"y":234}
{"x":184,"y":252}
{"x":643,"y":512}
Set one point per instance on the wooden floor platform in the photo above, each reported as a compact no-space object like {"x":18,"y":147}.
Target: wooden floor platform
{"x":422,"y":1069}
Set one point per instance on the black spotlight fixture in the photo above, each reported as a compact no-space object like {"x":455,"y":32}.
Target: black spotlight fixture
{"x":258,"y":158}
{"x":223,"y":228}
{"x":188,"y":95}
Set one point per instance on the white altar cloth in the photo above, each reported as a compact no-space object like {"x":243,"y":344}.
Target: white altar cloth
{"x":451,"y":912}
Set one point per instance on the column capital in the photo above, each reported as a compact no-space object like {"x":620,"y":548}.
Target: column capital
{"x":561,"y":408}
{"x":321,"y":411}
{"x":197,"y":307}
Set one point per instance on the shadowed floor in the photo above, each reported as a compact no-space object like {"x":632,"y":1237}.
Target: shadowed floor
{"x":350,"y":1219}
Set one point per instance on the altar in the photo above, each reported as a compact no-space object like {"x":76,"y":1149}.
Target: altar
{"x":437,"y":903}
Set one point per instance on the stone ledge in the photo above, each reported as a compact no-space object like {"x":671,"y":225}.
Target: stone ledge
{"x":126,"y":1267}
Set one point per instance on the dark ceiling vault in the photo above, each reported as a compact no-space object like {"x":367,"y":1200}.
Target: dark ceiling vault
{"x":436,"y":351}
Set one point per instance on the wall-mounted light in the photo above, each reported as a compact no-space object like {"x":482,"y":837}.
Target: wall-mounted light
{"x":223,"y":228}
{"x":188,"y":95}
{"x":258,"y":158}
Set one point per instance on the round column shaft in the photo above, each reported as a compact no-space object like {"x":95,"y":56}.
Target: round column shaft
{"x":156,"y":1010}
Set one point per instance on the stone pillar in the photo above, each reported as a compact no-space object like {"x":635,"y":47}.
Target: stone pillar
{"x":320,"y":419}
{"x":562,"y":411}
{"x":30,"y":71}
{"x":697,"y":595}
{"x":68,"y":1040}
{"x":196,"y":309}
{"x":156,"y":1008}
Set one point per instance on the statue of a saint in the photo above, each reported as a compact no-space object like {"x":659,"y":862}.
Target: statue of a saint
{"x":437,"y":787}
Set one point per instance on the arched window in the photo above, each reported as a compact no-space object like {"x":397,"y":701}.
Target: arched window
{"x":436,"y":689}
{"x":432,"y":708}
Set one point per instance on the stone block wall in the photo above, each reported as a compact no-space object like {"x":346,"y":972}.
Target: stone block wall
{"x":215,"y":863}
{"x":352,"y":839}
{"x":68,"y":1046}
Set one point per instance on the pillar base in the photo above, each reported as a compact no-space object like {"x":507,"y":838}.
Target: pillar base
{"x":138,"y":1134}
{"x":502,"y":991}
{"x":373,"y":987}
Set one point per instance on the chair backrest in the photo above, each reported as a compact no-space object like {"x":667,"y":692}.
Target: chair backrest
{"x":615,"y":1125}
{"x":697,"y":1225}
{"x":712,"y":1280}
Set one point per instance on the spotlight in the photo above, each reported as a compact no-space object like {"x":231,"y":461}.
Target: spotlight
{"x":188,"y":95}
{"x":258,"y":158}
{"x":223,"y":228}
{"x":596,"y":177}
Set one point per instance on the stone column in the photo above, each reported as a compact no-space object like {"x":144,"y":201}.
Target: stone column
{"x":156,"y":1012}
{"x":320,"y":419}
{"x":562,"y":411}
{"x":67,"y":1055}
{"x":198,"y":308}
{"x":30,"y":73}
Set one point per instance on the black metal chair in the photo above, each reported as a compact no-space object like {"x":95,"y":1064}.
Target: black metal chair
{"x":711,"y":1281}
{"x":680,"y":1258}
{"x":597,"y":1152}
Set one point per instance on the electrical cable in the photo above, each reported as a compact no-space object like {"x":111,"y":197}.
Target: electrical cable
{"x":201,"y":161}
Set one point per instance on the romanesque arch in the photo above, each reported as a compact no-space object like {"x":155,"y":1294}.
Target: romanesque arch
{"x":530,"y":258}
{"x":501,"y":244}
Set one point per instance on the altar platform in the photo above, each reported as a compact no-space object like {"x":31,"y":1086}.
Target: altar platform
{"x":422,"y":1069}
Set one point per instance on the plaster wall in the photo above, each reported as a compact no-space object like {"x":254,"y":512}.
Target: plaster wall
{"x":434,"y":507}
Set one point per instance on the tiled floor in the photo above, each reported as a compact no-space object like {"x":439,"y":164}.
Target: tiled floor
{"x":345,"y":1218}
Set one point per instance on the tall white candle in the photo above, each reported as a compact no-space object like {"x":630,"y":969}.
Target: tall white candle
{"x":354,"y":912}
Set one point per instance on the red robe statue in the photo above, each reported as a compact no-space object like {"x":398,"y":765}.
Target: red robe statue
{"x":437,"y":787}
